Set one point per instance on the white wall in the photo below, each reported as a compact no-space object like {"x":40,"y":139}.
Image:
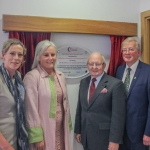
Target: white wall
{"x":144,"y":6}
{"x":86,"y":9}
{"x":109,"y":10}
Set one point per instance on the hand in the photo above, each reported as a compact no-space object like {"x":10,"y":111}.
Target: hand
{"x":40,"y":145}
{"x":113,"y":146}
{"x":146,"y":140}
{"x":78,"y":138}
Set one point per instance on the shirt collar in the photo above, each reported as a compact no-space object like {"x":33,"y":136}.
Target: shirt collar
{"x":98,"y":78}
{"x":134,"y":66}
{"x":44,"y":74}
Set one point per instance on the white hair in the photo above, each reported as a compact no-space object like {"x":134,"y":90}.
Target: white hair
{"x":130,"y":39}
{"x":98,"y":53}
{"x":40,"y":48}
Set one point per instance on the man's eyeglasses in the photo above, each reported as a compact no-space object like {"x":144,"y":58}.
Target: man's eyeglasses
{"x":96,"y":64}
{"x":130,"y":49}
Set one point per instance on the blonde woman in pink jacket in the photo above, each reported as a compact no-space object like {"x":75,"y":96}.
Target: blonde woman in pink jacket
{"x":46,"y":101}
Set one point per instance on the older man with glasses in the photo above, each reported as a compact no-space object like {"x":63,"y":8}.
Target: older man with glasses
{"x":136,"y":77}
{"x":100,"y":114}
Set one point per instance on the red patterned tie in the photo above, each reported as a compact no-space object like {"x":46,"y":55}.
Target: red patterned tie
{"x":92,"y":89}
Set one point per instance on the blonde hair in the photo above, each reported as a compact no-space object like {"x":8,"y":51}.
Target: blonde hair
{"x":7,"y":44}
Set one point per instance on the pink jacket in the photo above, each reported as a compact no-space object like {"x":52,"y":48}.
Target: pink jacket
{"x":37,"y":104}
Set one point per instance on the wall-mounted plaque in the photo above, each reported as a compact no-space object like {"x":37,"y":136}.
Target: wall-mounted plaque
{"x":72,"y":61}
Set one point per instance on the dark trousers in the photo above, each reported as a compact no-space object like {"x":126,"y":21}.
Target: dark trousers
{"x":101,"y":144}
{"x":128,"y":145}
{"x":86,"y":148}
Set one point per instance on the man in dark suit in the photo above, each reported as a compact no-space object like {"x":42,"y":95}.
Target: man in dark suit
{"x":99,"y":122}
{"x":137,"y":131}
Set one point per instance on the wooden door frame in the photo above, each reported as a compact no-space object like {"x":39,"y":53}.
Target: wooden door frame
{"x":145,"y":36}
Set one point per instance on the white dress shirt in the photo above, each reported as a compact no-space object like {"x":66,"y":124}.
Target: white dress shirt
{"x":132,"y":72}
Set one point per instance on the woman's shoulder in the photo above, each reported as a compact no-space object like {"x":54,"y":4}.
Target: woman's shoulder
{"x":59,"y":73}
{"x":1,"y":78}
{"x":31,"y":78}
{"x":32,"y":74}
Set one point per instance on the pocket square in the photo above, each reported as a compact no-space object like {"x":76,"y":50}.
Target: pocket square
{"x":104,"y":90}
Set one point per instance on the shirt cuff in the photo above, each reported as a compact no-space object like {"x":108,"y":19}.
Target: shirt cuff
{"x":70,"y":124}
{"x":35,"y":134}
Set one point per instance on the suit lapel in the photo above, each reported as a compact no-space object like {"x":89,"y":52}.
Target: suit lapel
{"x":86,"y":88}
{"x":121,"y":72}
{"x":135,"y":77}
{"x":102,"y":84}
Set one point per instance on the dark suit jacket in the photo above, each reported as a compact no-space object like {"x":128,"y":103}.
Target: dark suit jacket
{"x":103,"y":119}
{"x":138,"y":103}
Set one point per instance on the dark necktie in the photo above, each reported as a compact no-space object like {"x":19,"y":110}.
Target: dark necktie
{"x":127,"y":80}
{"x":92,"y":89}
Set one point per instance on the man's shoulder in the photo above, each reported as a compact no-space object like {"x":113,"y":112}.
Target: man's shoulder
{"x":121,"y":66}
{"x":113,"y":79}
{"x":141,"y":64}
{"x":86,"y":79}
{"x":144,"y":65}
{"x":145,"y":68}
{"x":110,"y":78}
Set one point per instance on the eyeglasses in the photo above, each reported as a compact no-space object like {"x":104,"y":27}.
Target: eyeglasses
{"x":130,"y":49}
{"x":96,"y":64}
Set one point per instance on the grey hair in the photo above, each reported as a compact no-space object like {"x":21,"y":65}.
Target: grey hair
{"x":7,"y":44}
{"x":130,"y":39}
{"x":98,"y":53}
{"x":40,"y":48}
